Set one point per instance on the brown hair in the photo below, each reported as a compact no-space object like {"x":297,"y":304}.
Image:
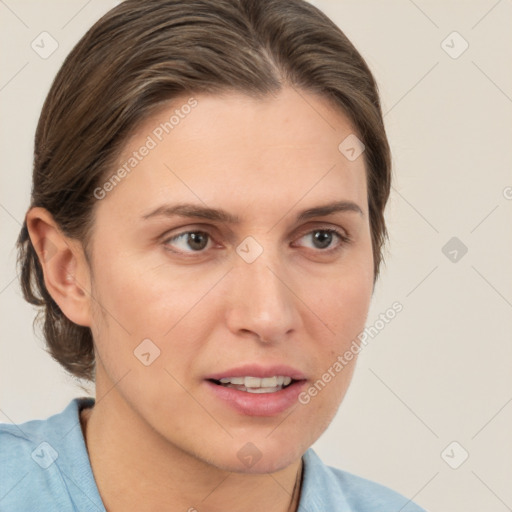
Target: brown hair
{"x":141,"y":54}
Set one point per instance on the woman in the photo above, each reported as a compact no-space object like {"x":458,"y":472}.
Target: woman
{"x":203,"y":240}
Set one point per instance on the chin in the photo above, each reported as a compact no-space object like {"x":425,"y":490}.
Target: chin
{"x":262,"y":456}
{"x":271,"y":463}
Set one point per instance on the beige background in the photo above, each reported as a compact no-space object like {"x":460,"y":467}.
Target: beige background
{"x":441,"y":370}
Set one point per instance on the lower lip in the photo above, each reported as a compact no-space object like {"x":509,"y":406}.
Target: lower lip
{"x":258,"y":404}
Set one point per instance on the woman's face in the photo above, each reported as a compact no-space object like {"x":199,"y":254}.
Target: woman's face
{"x":211,"y":259}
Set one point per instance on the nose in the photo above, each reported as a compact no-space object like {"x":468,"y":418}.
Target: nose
{"x":261,"y":301}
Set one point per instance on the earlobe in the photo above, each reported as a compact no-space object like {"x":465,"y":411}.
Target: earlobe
{"x":65,"y":269}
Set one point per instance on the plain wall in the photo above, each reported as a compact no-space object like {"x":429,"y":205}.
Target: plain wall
{"x":440,"y":371}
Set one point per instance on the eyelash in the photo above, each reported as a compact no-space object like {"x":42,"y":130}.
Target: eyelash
{"x":342,"y":236}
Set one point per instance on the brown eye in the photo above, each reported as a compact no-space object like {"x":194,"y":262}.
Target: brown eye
{"x":189,"y":241}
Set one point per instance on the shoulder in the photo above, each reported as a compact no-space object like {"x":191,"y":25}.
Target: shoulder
{"x":38,"y":460}
{"x":19,"y":445}
{"x":325,"y":486}
{"x":36,"y":439}
{"x":25,"y":454}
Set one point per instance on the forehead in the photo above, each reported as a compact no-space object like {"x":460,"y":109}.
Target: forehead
{"x":232,"y":146}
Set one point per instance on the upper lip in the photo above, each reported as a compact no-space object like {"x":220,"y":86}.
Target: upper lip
{"x":261,"y":371}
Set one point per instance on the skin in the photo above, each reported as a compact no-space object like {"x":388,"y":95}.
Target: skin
{"x":157,"y":435}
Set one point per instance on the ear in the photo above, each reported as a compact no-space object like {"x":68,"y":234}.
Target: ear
{"x":65,"y":268}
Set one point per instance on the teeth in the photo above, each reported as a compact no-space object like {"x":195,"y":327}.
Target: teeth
{"x":264,"y":390}
{"x":269,"y":382}
{"x":252,"y":382}
{"x":257,"y":385}
{"x":233,"y":380}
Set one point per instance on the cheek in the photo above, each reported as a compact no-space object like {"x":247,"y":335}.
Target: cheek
{"x":343,"y":306}
{"x":345,"y":312}
{"x":140,"y":300}
{"x":144,"y":295}
{"x":349,"y":308}
{"x":344,"y":298}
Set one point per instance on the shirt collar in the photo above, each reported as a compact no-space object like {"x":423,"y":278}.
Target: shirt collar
{"x":320,"y":489}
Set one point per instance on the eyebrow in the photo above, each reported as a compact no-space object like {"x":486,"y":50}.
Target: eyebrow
{"x":202,"y":212}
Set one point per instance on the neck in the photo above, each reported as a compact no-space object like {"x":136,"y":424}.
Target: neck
{"x":136,"y":469}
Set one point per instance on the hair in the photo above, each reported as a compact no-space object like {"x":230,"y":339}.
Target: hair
{"x":142,"y":54}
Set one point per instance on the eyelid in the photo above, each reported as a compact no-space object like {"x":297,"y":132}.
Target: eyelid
{"x":188,"y":228}
{"x":325,"y":227}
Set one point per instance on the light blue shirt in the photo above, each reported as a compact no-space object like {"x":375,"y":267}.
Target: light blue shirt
{"x":44,"y":466}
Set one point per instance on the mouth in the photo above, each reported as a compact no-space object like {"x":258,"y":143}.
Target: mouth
{"x":256,"y":390}
{"x":250,"y":384}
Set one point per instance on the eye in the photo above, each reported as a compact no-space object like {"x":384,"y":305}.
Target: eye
{"x":189,"y":241}
{"x":324,"y":239}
